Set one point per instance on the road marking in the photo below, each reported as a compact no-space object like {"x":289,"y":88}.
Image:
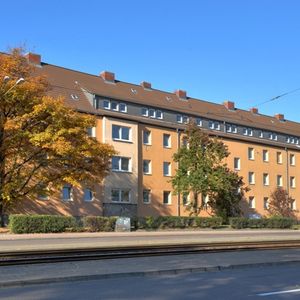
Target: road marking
{"x":279,"y":292}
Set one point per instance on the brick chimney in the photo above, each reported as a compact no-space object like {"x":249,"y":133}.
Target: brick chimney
{"x":279,"y":117}
{"x":181,"y":94}
{"x":108,"y":76}
{"x":254,"y":110}
{"x":146,"y":85}
{"x":33,"y":58}
{"x":229,"y":105}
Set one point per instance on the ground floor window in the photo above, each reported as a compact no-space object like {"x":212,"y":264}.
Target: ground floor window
{"x":120,"y":195}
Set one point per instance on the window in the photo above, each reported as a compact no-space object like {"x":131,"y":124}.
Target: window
{"x":146,"y":196}
{"x":167,"y":168}
{"x":88,"y":194}
{"x":279,"y":180}
{"x":114,"y":105}
{"x":260,"y":134}
{"x":234,"y":129}
{"x":121,"y":133}
{"x":266,"y":203}
{"x":214,"y":125}
{"x":265,"y":155}
{"x":159,"y":114}
{"x":293,"y":204}
{"x":247,"y":131}
{"x":152,"y":113}
{"x":185,"y":119}
{"x":265,"y":179}
{"x":279,"y":157}
{"x":251,"y":202}
{"x":123,"y":107}
{"x":251,"y":153}
{"x":211,"y":124}
{"x":67,"y":193}
{"x":198,"y":122}
{"x":231,"y":128}
{"x":237,"y":163}
{"x":167,"y":140}
{"x":120,"y":195}
{"x":144,"y":111}
{"x":147,"y":137}
{"x":91,"y":131}
{"x":251,"y":178}
{"x":205,"y":200}
{"x":292,"y":159}
{"x":292,"y":182}
{"x":167,"y":197}
{"x":106,"y":104}
{"x":147,"y":166}
{"x":121,"y":164}
{"x":185,"y":199}
{"x":179,"y":118}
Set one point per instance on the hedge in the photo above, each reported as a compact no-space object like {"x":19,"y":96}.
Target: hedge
{"x":274,"y":222}
{"x":95,"y":224}
{"x":40,"y":223}
{"x":170,"y":222}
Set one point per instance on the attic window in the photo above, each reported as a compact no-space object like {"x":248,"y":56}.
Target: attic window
{"x":74,"y":97}
{"x":134,"y":91}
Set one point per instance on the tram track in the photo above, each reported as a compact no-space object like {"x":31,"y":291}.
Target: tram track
{"x":98,"y":253}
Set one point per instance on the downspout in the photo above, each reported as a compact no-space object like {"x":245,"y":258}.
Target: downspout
{"x":287,"y":171}
{"x":178,"y":196}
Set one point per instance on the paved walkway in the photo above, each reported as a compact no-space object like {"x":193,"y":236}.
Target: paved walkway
{"x":143,"y":266}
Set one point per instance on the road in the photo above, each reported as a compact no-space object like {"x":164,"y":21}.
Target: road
{"x":251,"y":283}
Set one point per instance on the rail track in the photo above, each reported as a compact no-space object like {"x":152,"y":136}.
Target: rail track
{"x":63,"y":255}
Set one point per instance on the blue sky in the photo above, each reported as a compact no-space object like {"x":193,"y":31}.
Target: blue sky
{"x":244,"y":51}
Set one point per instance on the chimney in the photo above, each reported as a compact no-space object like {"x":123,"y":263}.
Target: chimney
{"x":279,"y":117}
{"x":254,"y":110}
{"x":229,"y":105}
{"x":181,"y":94}
{"x":108,"y":76}
{"x":146,"y":85}
{"x":33,"y":58}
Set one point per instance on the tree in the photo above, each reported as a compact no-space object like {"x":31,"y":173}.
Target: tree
{"x":43,"y":143}
{"x":202,"y":171}
{"x":280,"y":203}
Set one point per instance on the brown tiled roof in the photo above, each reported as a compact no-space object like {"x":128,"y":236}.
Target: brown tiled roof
{"x":66,"y":82}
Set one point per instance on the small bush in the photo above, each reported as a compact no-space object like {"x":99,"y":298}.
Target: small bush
{"x":40,"y":223}
{"x":95,"y":224}
{"x":274,"y":222}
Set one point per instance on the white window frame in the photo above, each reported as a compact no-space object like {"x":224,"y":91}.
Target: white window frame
{"x":292,"y":159}
{"x":167,"y":167}
{"x":144,"y":111}
{"x":237,"y":163}
{"x":293,"y":204}
{"x":266,"y":179}
{"x":251,"y":202}
{"x":70,"y":188}
{"x":185,"y":119}
{"x":251,"y":177}
{"x":123,"y":110}
{"x":199,"y":122}
{"x":120,"y":158}
{"x":266,"y":203}
{"x":148,"y":161}
{"x":279,"y":180}
{"x":154,"y":113}
{"x":149,"y":137}
{"x":169,"y":202}
{"x":108,"y":102}
{"x":91,"y":131}
{"x":84,"y":194}
{"x":120,"y":132}
{"x":265,"y":155}
{"x":114,"y":103}
{"x":293,"y":182}
{"x":168,"y":145}
{"x":148,"y":193}
{"x":279,"y":157}
{"x":179,"y":118}
{"x":251,"y":153}
{"x":161,"y":114}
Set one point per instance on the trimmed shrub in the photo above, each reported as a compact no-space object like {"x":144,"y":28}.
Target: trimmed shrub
{"x":95,"y":224}
{"x":171,"y":222}
{"x":40,"y":223}
{"x":274,"y":222}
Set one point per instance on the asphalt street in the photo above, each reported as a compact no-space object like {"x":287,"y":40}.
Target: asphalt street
{"x":272,"y":282}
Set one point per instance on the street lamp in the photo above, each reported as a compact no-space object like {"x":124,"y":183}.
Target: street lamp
{"x":20,"y":80}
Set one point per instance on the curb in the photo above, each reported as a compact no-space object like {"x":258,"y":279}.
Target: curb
{"x":142,"y":274}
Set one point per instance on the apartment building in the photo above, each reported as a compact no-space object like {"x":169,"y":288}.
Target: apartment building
{"x":145,"y":125}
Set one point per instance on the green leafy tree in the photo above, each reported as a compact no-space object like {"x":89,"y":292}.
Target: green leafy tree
{"x":280,"y":204}
{"x":43,"y":143}
{"x":202,"y":171}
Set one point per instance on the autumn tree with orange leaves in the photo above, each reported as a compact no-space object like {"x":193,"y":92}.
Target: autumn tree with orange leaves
{"x":43,"y":143}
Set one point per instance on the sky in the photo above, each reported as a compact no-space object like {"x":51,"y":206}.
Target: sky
{"x":246,"y":51}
